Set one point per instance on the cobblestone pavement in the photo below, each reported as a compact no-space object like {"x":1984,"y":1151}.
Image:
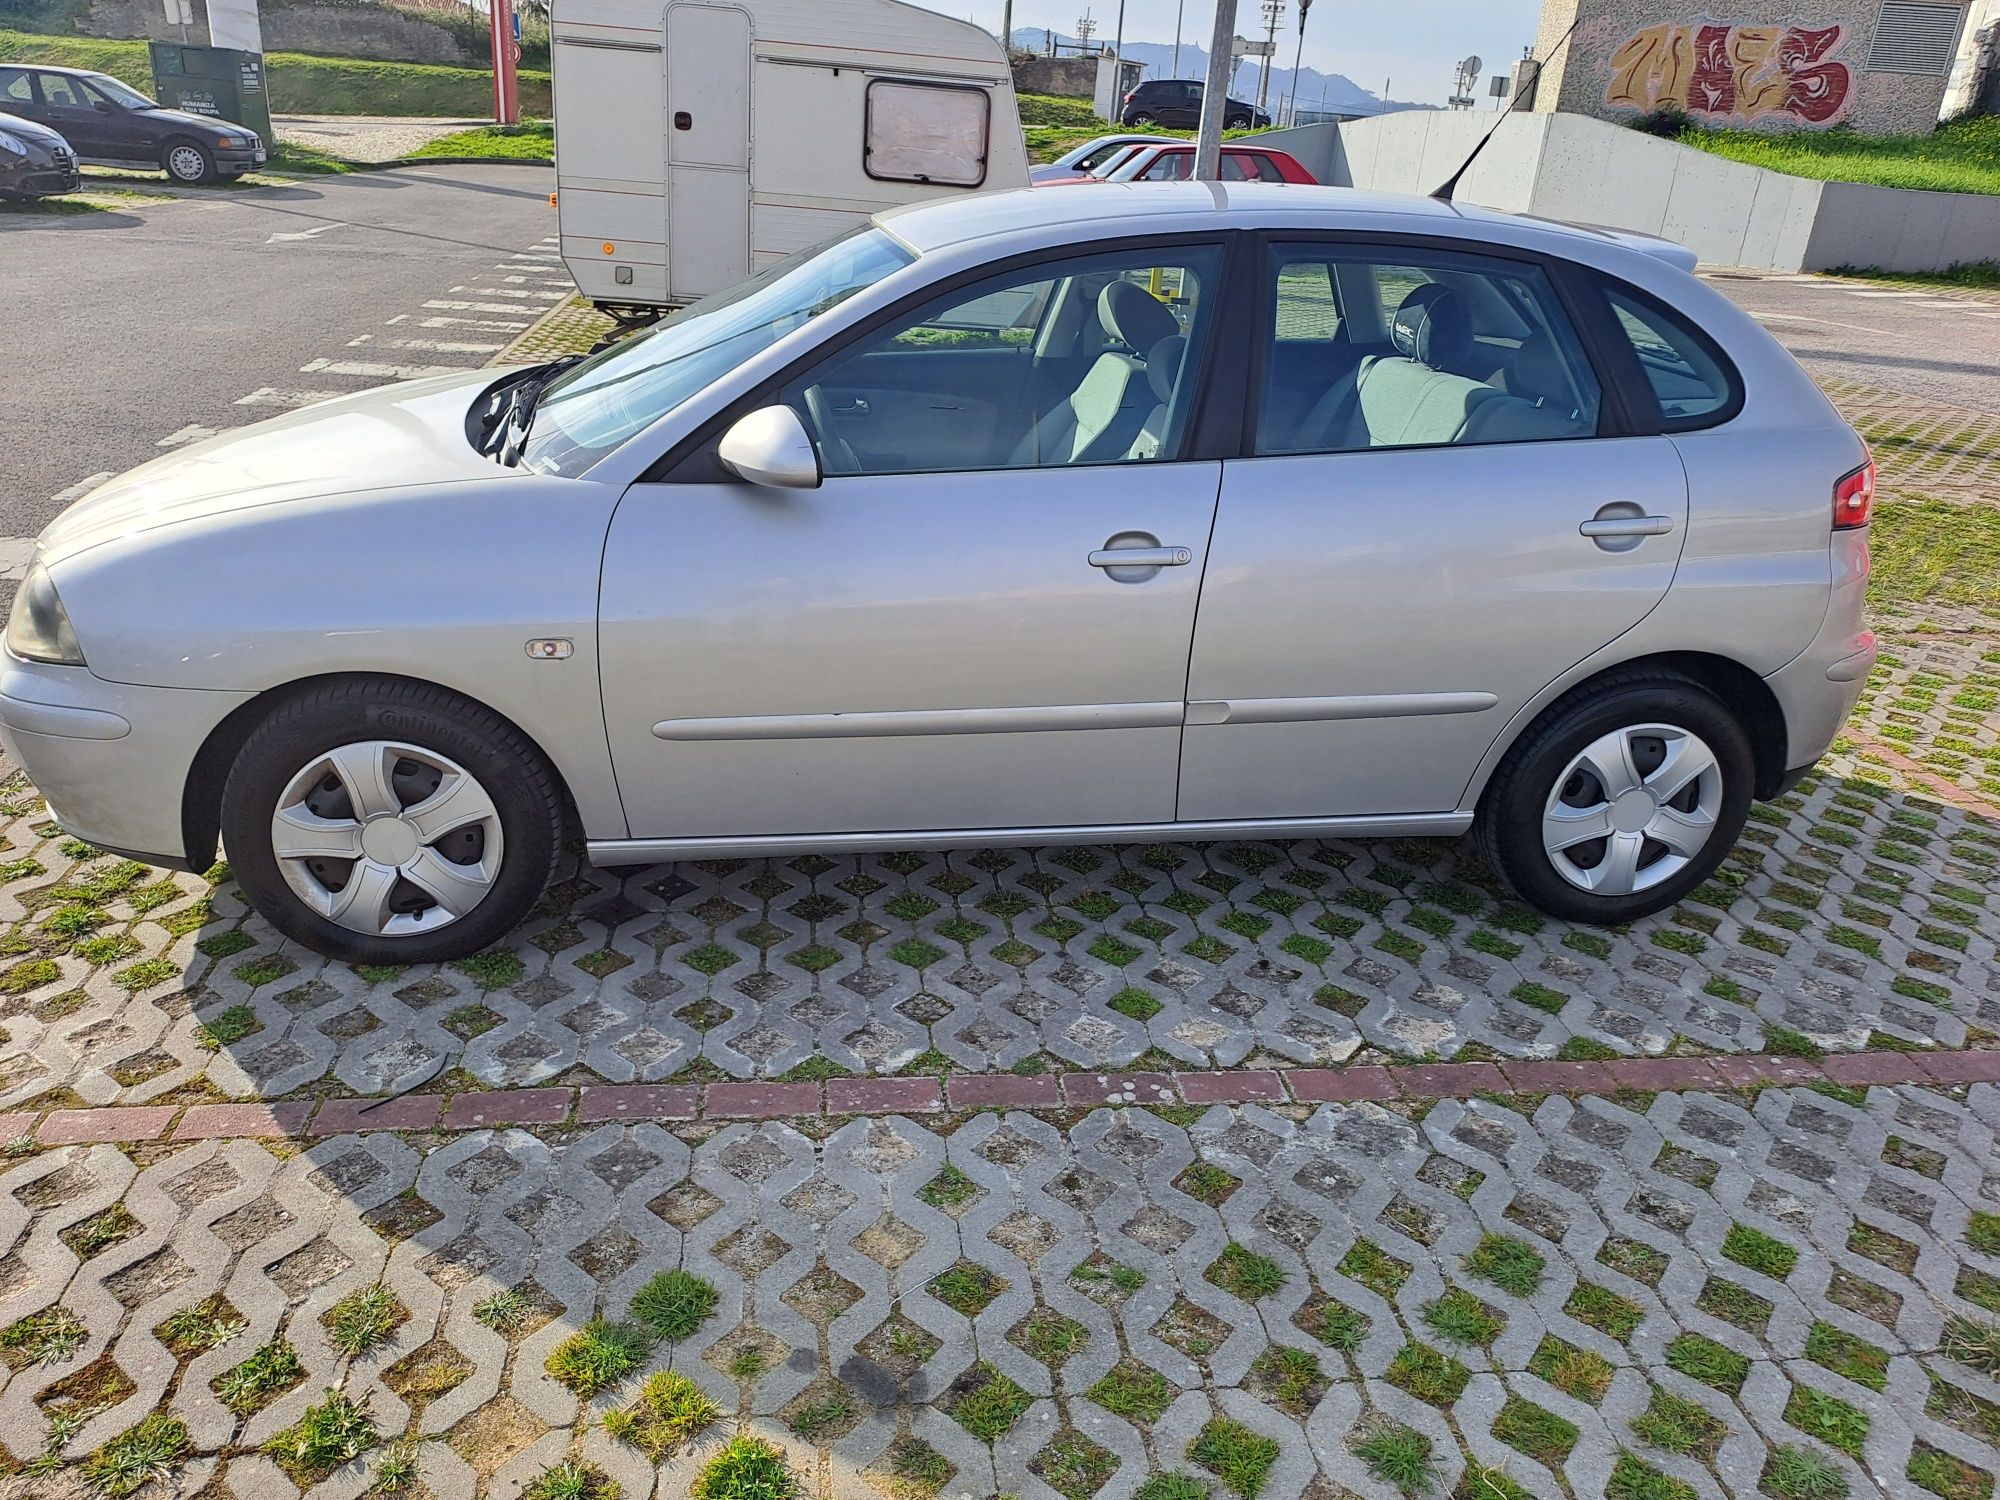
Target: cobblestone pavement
{"x":1785,"y":1292}
{"x":1571,"y":1293}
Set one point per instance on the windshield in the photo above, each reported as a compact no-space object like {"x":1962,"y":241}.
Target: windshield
{"x":119,"y":93}
{"x":1116,"y":159}
{"x":593,"y":408}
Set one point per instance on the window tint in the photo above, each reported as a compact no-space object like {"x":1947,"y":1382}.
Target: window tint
{"x":60,"y":91}
{"x":14,"y":85}
{"x":1084,"y":361}
{"x":1682,"y":366}
{"x":1417,"y":350}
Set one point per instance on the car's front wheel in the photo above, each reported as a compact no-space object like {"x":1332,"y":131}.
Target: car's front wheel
{"x":1620,"y":800}
{"x":188,"y":161}
{"x":390,"y":822}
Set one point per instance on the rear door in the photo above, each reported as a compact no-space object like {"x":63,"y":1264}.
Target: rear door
{"x":708,"y":148}
{"x":1384,"y":591}
{"x":66,"y":108}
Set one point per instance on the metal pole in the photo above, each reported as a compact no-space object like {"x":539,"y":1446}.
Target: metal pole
{"x":1296,"y":56}
{"x":1271,"y":12}
{"x":1180,"y":10}
{"x":1118,"y":61}
{"x":1007,"y":27}
{"x":1215,"y":94}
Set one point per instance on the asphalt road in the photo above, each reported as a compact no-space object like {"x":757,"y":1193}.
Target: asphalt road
{"x":1939,"y":346}
{"x":133,"y":325}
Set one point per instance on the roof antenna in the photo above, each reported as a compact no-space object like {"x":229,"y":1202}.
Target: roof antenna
{"x":1443,"y":194}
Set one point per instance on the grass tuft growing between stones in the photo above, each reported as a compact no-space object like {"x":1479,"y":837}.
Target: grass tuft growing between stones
{"x":1512,"y":1265}
{"x":597,"y":1356}
{"x":270,"y":1370}
{"x":1463,"y":1318}
{"x":1833,"y":1421}
{"x":1427,"y":1374}
{"x":1398,"y":1456}
{"x":1535,"y":1431}
{"x":1134,"y":1391}
{"x":1632,"y":1478}
{"x":334,"y":1431}
{"x":1674,"y":1424}
{"x":48,"y":1337}
{"x":746,"y":1468}
{"x":1240,"y":1458}
{"x":986,"y":1403}
{"x":1757,"y":1251}
{"x":1242,"y":1272}
{"x":142,"y":1455}
{"x":674,"y":1304}
{"x":670,"y":1412}
{"x":1794,"y":1473}
{"x":362,"y":1319}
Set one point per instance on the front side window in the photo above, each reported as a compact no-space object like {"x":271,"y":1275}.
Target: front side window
{"x":120,"y":93}
{"x":1686,"y":372}
{"x":591,"y":409}
{"x":1416,"y":349}
{"x":1089,"y":360}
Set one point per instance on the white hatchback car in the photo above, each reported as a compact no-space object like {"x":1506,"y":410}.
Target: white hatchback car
{"x":1166,"y":511}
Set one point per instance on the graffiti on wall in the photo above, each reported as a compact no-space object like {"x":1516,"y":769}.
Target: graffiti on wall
{"x":1740,"y":72}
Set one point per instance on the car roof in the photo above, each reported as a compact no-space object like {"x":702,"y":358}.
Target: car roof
{"x":1096,"y":209}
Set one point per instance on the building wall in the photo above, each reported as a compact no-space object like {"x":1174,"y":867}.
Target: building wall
{"x":1738,"y":64}
{"x":1067,"y":77}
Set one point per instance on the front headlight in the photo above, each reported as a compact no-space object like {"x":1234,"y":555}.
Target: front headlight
{"x":39,"y":629}
{"x":12,"y":145}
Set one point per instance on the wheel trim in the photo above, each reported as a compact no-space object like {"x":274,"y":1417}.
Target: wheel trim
{"x":1613,"y":829}
{"x":186,"y":161}
{"x":388,"y":842}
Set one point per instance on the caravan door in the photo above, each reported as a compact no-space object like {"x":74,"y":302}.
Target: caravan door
{"x":708,"y":148}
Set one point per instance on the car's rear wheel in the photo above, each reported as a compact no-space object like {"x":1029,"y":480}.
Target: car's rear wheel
{"x":1237,"y":122}
{"x":390,"y":822}
{"x":188,"y":161}
{"x":1142,"y":118}
{"x":1620,"y":800}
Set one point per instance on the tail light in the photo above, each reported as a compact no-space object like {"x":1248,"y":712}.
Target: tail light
{"x":1854,"y":498}
{"x":1130,"y":97}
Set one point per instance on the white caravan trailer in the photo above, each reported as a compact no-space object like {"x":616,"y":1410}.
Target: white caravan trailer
{"x":697,"y":142}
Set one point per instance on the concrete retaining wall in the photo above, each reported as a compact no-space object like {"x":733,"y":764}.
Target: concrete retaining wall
{"x":1591,"y":172}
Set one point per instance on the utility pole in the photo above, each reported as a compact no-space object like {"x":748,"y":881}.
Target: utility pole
{"x":1118,"y":59}
{"x":1215,"y":94}
{"x":1274,"y":11}
{"x":1180,"y":11}
{"x":1293,"y":108}
{"x":1007,"y":27}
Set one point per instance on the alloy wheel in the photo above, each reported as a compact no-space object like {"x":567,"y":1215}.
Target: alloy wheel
{"x":387,"y":839}
{"x":187,"y":163}
{"x":1632,"y":809}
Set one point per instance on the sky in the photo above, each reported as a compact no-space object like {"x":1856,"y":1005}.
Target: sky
{"x":1415,"y":47}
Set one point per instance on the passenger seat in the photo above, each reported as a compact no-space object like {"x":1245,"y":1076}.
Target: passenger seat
{"x":1102,"y":418}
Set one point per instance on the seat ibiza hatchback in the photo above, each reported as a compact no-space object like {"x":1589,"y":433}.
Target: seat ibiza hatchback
{"x":1164,"y":511}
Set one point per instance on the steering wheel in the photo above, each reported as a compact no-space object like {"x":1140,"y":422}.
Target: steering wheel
{"x":835,"y":456}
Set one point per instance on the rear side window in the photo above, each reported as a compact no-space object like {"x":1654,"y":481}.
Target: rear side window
{"x":1687,"y":373}
{"x":14,"y":85}
{"x":926,"y":132}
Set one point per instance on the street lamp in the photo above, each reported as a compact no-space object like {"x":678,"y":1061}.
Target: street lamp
{"x":1274,"y":12}
{"x":1297,"y":56}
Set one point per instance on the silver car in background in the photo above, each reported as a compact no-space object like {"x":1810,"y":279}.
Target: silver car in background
{"x":1164,"y":511}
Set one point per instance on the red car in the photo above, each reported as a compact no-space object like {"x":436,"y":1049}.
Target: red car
{"x":1174,"y":162}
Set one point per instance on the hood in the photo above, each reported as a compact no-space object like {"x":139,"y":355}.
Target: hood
{"x":393,"y":437}
{"x":28,"y":130}
{"x":207,"y":124}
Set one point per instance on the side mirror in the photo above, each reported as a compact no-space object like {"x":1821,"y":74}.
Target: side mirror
{"x":103,"y":108}
{"x":771,"y":446}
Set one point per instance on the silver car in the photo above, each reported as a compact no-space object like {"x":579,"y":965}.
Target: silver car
{"x":1165,"y":511}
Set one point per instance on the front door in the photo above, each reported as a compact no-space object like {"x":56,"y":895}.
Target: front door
{"x":1431,"y":532}
{"x":980,"y":619}
{"x":708,"y":149}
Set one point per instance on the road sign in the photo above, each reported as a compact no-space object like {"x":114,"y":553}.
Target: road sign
{"x":1257,"y":49}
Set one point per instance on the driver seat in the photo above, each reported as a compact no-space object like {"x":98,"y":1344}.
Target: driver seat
{"x":1102,"y":418}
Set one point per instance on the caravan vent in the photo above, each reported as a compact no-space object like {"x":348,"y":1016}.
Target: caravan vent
{"x":1915,"y":38}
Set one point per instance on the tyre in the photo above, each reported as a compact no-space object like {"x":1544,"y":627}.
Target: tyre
{"x":188,"y":161}
{"x":1237,"y":122}
{"x":1620,"y":799}
{"x":390,"y":822}
{"x":1142,"y":119}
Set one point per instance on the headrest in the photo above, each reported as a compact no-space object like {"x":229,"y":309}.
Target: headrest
{"x":1163,"y":366}
{"x":1433,"y":327}
{"x":1540,"y":371}
{"x":1134,"y":315}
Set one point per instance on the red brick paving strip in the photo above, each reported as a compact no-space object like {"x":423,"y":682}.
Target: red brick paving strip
{"x":1978,"y":1066}
{"x":1659,"y":1074}
{"x":69,"y":1127}
{"x":639,"y":1101}
{"x":1560,"y":1077}
{"x":206,"y":1122}
{"x":1249,"y":1086}
{"x":1746,"y":1072}
{"x":406,"y":1112}
{"x":13,"y":1127}
{"x":1091,"y":1089}
{"x":1004,"y":1091}
{"x":760,"y":1101}
{"x":1448,"y":1080}
{"x":474,"y":1111}
{"x":1875,"y":1067}
{"x":883,"y":1096}
{"x":1341,"y":1085}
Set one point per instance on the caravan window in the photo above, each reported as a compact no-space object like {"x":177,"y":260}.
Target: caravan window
{"x":927,"y":132}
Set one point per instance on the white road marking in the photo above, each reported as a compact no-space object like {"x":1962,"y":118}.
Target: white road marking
{"x":379,"y":372}
{"x":507,"y":291}
{"x":436,"y":346}
{"x":78,"y":490}
{"x":15,"y":551}
{"x":302,"y":234}
{"x":446,"y":305}
{"x":192,"y":433}
{"x":484,"y":325}
{"x":266,"y":395}
{"x":1855,"y":291}
{"x":1778,"y":317}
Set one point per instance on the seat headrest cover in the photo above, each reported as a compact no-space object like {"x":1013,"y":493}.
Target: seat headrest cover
{"x":1134,"y":315}
{"x":1163,"y":366}
{"x":1433,"y":328}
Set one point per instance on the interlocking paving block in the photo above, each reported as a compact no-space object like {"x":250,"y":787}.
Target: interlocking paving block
{"x":206,"y":1121}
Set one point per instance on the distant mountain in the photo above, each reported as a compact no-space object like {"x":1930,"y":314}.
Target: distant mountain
{"x":1316,"y":90}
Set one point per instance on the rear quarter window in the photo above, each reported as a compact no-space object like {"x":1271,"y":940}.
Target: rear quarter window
{"x":1688,"y":375}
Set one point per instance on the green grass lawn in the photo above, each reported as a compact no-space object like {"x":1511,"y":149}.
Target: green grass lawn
{"x":300,"y":83}
{"x":533,"y":141}
{"x":1963,"y":157}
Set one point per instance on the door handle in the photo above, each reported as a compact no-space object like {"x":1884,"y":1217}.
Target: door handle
{"x":1628,"y":526}
{"x":1142,"y":557}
